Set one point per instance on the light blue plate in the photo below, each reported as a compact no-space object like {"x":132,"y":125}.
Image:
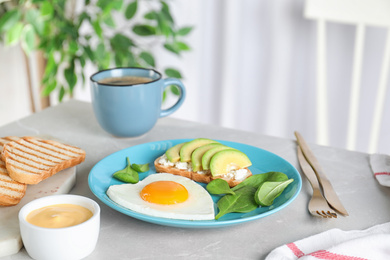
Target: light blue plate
{"x":100,"y":178}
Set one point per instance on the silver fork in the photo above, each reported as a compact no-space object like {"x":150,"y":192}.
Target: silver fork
{"x":318,"y":206}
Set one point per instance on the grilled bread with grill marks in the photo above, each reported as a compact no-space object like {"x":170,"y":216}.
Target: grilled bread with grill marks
{"x":11,"y":192}
{"x":5,"y":140}
{"x":31,"y":159}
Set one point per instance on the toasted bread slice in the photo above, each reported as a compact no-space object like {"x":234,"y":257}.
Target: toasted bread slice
{"x":31,"y":159}
{"x":5,"y":140}
{"x":11,"y":192}
{"x":200,"y":176}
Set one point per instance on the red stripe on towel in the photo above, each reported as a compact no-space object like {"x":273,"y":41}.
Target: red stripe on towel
{"x":382,"y":173}
{"x":325,"y":255}
{"x":297,"y":252}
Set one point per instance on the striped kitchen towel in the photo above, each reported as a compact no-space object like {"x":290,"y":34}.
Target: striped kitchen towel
{"x":380,"y":165}
{"x":336,"y":244}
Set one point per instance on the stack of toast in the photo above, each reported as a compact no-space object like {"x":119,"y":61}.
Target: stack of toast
{"x":30,"y":160}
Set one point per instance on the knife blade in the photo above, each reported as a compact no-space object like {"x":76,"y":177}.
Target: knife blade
{"x":329,"y":192}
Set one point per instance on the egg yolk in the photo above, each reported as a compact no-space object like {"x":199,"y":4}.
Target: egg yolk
{"x":164,"y":192}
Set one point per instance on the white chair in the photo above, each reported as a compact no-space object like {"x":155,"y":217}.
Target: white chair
{"x":361,"y":13}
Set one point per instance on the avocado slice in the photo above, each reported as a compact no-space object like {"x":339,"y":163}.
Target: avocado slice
{"x":209,"y":154}
{"x":187,"y":149}
{"x":197,"y":154}
{"x":224,"y":161}
{"x":173,"y":153}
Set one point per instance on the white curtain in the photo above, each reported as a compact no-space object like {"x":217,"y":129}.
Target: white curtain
{"x":252,"y":67}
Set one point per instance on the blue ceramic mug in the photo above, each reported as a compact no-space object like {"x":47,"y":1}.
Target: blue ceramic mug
{"x":127,"y":101}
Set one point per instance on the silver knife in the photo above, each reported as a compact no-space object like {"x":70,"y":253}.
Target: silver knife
{"x":327,"y":187}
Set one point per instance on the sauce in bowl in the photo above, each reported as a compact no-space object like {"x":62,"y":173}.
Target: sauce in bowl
{"x":59,"y":216}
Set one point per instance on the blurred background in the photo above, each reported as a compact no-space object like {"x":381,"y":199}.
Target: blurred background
{"x":246,"y":64}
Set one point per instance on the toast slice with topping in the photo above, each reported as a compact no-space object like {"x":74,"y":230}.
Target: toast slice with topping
{"x":163,"y":165}
{"x":30,"y":160}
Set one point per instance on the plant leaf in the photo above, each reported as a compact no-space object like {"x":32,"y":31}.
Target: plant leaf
{"x":182,"y":46}
{"x":98,"y":29}
{"x":164,"y":95}
{"x":219,"y":186}
{"x":140,"y":167}
{"x":171,"y":48}
{"x":256,"y":180}
{"x":89,"y":53}
{"x":131,"y":9}
{"x":33,"y":17}
{"x":14,"y":33}
{"x":148,"y":58}
{"x":144,"y":30}
{"x":28,"y":36}
{"x":184,"y":31}
{"x":70,"y":76}
{"x":47,"y":9}
{"x":9,"y":19}
{"x":61,"y":94}
{"x":269,"y":191}
{"x":152,"y":15}
{"x":173,"y":73}
{"x":107,"y":19}
{"x":120,"y":43}
{"x":49,"y":88}
{"x":73,"y":47}
{"x":127,"y":174}
{"x":175,"y":90}
{"x":163,"y":25}
{"x":117,"y":4}
{"x":243,"y":201}
{"x":165,"y":10}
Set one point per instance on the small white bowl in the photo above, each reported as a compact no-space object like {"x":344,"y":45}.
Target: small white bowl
{"x":68,"y":243}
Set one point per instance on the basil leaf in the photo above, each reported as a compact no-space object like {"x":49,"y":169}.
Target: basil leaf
{"x":269,"y":191}
{"x":127,"y":174}
{"x":219,"y":186}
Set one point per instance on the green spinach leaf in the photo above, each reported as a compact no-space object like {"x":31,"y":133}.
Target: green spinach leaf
{"x":140,"y":167}
{"x":219,"y":186}
{"x":255,"y":181}
{"x":242,"y":201}
{"x":127,"y":174}
{"x":269,"y":191}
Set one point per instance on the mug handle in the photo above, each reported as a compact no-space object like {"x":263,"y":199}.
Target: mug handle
{"x":168,"y":82}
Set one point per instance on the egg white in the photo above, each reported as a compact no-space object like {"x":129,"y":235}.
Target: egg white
{"x":198,"y":206}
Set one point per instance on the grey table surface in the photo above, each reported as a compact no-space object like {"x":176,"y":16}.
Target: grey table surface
{"x":123,"y":237}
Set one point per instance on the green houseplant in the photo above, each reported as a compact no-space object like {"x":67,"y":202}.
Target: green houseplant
{"x":106,"y":33}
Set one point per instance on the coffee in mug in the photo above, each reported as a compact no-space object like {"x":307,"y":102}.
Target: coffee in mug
{"x":127,"y":101}
{"x":125,"y":80}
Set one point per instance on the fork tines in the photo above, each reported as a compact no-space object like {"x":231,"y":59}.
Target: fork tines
{"x":326,"y":214}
